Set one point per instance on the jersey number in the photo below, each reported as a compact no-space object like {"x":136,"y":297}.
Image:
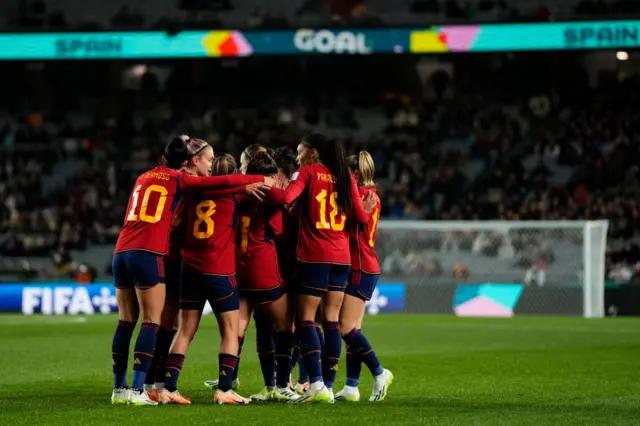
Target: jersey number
{"x":132,"y":216}
{"x":244,"y":233}
{"x":322,"y":223}
{"x":204,"y":210}
{"x":376,"y":216}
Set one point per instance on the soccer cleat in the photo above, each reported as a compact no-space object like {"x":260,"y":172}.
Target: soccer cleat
{"x":266,"y":394}
{"x":285,"y":394}
{"x":213,"y":384}
{"x":152,"y":391}
{"x":301,"y":388}
{"x":316,"y":394}
{"x":229,"y":397}
{"x":381,"y":384}
{"x":140,"y":398}
{"x":120,"y":396}
{"x":348,"y":393}
{"x":166,"y":397}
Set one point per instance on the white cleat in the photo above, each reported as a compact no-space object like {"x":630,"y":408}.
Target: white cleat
{"x":348,"y":393}
{"x":317,"y":392}
{"x":285,"y":394}
{"x":381,"y":385}
{"x":213,"y":384}
{"x":229,"y":398}
{"x":266,"y":394}
{"x":120,"y":396}
{"x":140,"y":398}
{"x":301,"y":388}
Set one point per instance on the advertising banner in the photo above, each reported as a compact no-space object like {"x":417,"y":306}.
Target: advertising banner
{"x":232,"y":43}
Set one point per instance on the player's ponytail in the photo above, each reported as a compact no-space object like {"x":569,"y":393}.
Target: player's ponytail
{"x":364,"y":165}
{"x":331,"y":154}
{"x":175,"y":152}
{"x":223,"y":165}
{"x":262,"y":164}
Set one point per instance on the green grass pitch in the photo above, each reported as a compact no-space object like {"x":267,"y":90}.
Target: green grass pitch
{"x":448,"y":371}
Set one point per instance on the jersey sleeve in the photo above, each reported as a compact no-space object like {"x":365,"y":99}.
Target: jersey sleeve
{"x":217,"y":193}
{"x":359,"y":213}
{"x":276,"y":223}
{"x":188,"y":182}
{"x":299,"y":182}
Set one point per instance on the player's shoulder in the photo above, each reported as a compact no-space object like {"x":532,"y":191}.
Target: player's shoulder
{"x":159,"y":173}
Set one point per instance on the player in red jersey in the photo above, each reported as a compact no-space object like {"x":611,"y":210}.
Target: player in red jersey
{"x":208,"y":274}
{"x":365,"y":273}
{"x":329,"y":194}
{"x":199,"y":164}
{"x":138,"y":262}
{"x":261,"y":282}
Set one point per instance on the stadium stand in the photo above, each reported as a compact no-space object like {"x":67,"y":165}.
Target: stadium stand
{"x":211,"y":14}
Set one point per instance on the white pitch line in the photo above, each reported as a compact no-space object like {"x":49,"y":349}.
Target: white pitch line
{"x":510,"y":327}
{"x":32,"y":320}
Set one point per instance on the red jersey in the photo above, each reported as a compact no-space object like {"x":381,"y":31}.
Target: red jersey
{"x":322,"y":234}
{"x":210,"y":236}
{"x":154,"y":200}
{"x":362,"y":238}
{"x":177,"y":234}
{"x":256,"y":255}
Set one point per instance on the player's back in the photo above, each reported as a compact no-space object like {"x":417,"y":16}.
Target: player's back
{"x":258,"y":226}
{"x":362,"y":239}
{"x":322,"y":235}
{"x":210,"y":234}
{"x":148,"y":215}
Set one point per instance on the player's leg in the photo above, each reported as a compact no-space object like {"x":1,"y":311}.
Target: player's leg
{"x":127,"y":317}
{"x":222,"y":293}
{"x":189,"y":322}
{"x":277,"y":307}
{"x":313,"y":284}
{"x":331,"y":305}
{"x":359,"y":350}
{"x":168,"y":327}
{"x":265,"y":345}
{"x":151,"y":301}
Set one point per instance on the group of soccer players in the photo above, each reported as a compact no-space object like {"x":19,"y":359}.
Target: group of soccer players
{"x":295,"y":248}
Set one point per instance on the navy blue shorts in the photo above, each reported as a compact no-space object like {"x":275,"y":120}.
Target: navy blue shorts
{"x":196,"y":288}
{"x":172,"y":276}
{"x":137,"y":268}
{"x":315,"y":279}
{"x":262,"y":297}
{"x":362,"y":285}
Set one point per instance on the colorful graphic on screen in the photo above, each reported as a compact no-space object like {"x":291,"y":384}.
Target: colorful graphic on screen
{"x":486,"y":300}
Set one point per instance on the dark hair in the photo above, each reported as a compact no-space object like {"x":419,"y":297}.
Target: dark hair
{"x":223,"y":165}
{"x":262,"y":164}
{"x":333,"y":157}
{"x":286,"y":160}
{"x":175,"y":153}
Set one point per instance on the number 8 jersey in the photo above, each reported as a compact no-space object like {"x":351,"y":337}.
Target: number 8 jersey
{"x":154,"y":199}
{"x":322,"y":234}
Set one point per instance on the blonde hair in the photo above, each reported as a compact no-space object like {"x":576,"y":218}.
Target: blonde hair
{"x":364,"y":165}
{"x":252,"y":150}
{"x":223,"y":165}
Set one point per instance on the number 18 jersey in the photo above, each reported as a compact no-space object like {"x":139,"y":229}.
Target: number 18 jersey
{"x":322,"y":237}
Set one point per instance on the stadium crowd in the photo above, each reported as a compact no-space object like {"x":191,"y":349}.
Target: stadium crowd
{"x":466,"y":151}
{"x":172,"y":15}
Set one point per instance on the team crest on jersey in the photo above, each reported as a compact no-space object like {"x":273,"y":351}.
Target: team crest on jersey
{"x":294,"y":176}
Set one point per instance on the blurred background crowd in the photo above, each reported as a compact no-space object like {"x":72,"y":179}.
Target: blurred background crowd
{"x":531,"y":136}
